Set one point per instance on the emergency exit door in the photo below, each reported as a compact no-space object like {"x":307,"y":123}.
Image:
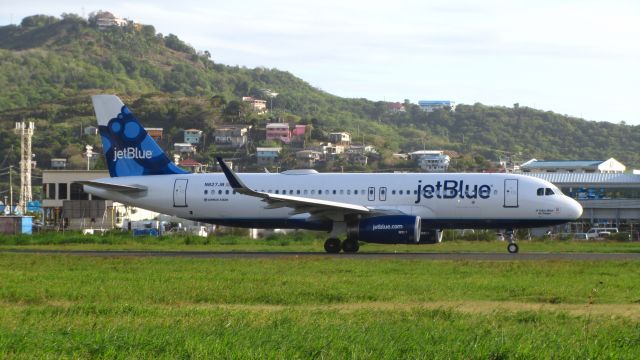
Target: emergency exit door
{"x":511,"y":193}
{"x":180,"y":193}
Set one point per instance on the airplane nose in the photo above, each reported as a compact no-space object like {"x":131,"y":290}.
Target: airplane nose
{"x":574,"y":208}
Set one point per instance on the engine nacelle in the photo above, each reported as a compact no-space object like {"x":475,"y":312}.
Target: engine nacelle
{"x":391,"y":229}
{"x":430,"y":236}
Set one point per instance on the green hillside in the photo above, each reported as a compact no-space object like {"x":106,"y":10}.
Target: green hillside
{"x":49,"y":66}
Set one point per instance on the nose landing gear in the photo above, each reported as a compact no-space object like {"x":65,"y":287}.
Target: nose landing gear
{"x":512,"y":247}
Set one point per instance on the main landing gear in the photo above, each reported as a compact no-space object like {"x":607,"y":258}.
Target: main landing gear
{"x":512,"y":247}
{"x":334,"y":245}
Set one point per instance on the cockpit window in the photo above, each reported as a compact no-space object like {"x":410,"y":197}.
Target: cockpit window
{"x":540,"y":191}
{"x":548,"y":191}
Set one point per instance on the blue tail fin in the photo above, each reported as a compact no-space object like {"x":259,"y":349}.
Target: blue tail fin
{"x":128,"y":149}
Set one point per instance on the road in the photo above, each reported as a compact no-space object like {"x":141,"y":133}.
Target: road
{"x":321,"y":255}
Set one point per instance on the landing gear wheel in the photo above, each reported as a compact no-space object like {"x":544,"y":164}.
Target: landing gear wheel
{"x":332,"y":246}
{"x":350,"y":246}
{"x":512,"y":248}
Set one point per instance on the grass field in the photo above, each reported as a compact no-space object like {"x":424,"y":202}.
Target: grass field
{"x":302,"y":241}
{"x":85,"y":307}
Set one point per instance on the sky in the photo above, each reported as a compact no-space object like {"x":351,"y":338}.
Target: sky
{"x":579,"y":58}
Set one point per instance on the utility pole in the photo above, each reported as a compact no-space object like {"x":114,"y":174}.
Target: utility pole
{"x":10,"y":189}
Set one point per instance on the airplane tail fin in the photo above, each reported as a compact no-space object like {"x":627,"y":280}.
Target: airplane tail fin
{"x":127,"y":147}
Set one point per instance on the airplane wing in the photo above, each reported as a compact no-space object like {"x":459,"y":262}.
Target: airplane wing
{"x":300,"y":205}
{"x":113,"y":187}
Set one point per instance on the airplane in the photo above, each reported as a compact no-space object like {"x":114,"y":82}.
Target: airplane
{"x":391,"y":208}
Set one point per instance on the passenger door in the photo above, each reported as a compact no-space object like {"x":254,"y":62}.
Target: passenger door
{"x":180,"y":193}
{"x":511,"y":193}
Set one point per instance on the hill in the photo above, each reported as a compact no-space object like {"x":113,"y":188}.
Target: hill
{"x":50,"y":66}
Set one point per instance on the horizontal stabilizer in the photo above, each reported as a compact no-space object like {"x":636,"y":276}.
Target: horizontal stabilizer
{"x":114,"y":187}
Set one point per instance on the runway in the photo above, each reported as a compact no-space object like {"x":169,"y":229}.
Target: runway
{"x":357,"y":256}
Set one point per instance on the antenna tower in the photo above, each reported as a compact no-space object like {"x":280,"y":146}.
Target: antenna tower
{"x":25,"y":130}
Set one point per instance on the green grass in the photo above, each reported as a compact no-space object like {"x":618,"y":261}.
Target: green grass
{"x":92,"y":307}
{"x":301,"y":241}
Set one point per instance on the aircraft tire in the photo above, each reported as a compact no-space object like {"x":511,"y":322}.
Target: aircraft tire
{"x":512,"y":248}
{"x":332,"y":245}
{"x":350,"y":246}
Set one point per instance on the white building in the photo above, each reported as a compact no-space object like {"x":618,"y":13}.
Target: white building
{"x":231,"y":135}
{"x":610,"y":166}
{"x":361,"y":149}
{"x":58,"y":163}
{"x":340,"y":138}
{"x":259,"y":106}
{"x":432,"y":105}
{"x":431,"y":160}
{"x":105,"y":20}
{"x":184,"y":148}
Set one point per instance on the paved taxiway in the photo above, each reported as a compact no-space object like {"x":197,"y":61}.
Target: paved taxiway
{"x":363,"y":256}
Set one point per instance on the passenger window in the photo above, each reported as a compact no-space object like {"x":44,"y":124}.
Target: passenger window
{"x":226,"y":192}
{"x":348,"y":192}
{"x":540,"y":191}
{"x":219,"y":192}
{"x":393,"y":192}
{"x":277,"y":191}
{"x":355,"y":192}
{"x":319,"y":192}
{"x":297,"y":192}
{"x":341,"y":192}
{"x":548,"y":191}
{"x":206,"y":192}
{"x":290,"y":192}
{"x":305,"y":192}
{"x":400,"y":192}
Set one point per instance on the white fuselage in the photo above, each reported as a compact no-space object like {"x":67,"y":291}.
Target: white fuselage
{"x":446,"y":200}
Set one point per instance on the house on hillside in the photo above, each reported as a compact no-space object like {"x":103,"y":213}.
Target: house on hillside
{"x":58,"y":163}
{"x":395,"y":107}
{"x":259,"y":106}
{"x":431,"y":160}
{"x":184,"y":148}
{"x":340,"y":138}
{"x":231,"y":135}
{"x":155,"y":133}
{"x":308,"y":158}
{"x":267,"y":155}
{"x":278,"y":131}
{"x":192,"y":136}
{"x":433,"y":105}
{"x":192,"y":166}
{"x":105,"y":20}
{"x":90,"y":130}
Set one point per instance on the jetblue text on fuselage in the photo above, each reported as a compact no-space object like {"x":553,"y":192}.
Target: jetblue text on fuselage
{"x":452,"y":189}
{"x":132,"y":153}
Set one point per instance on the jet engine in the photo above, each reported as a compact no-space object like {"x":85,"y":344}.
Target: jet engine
{"x":390,"y":229}
{"x":430,"y":236}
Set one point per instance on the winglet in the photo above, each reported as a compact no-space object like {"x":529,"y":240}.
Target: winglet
{"x":233,"y":179}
